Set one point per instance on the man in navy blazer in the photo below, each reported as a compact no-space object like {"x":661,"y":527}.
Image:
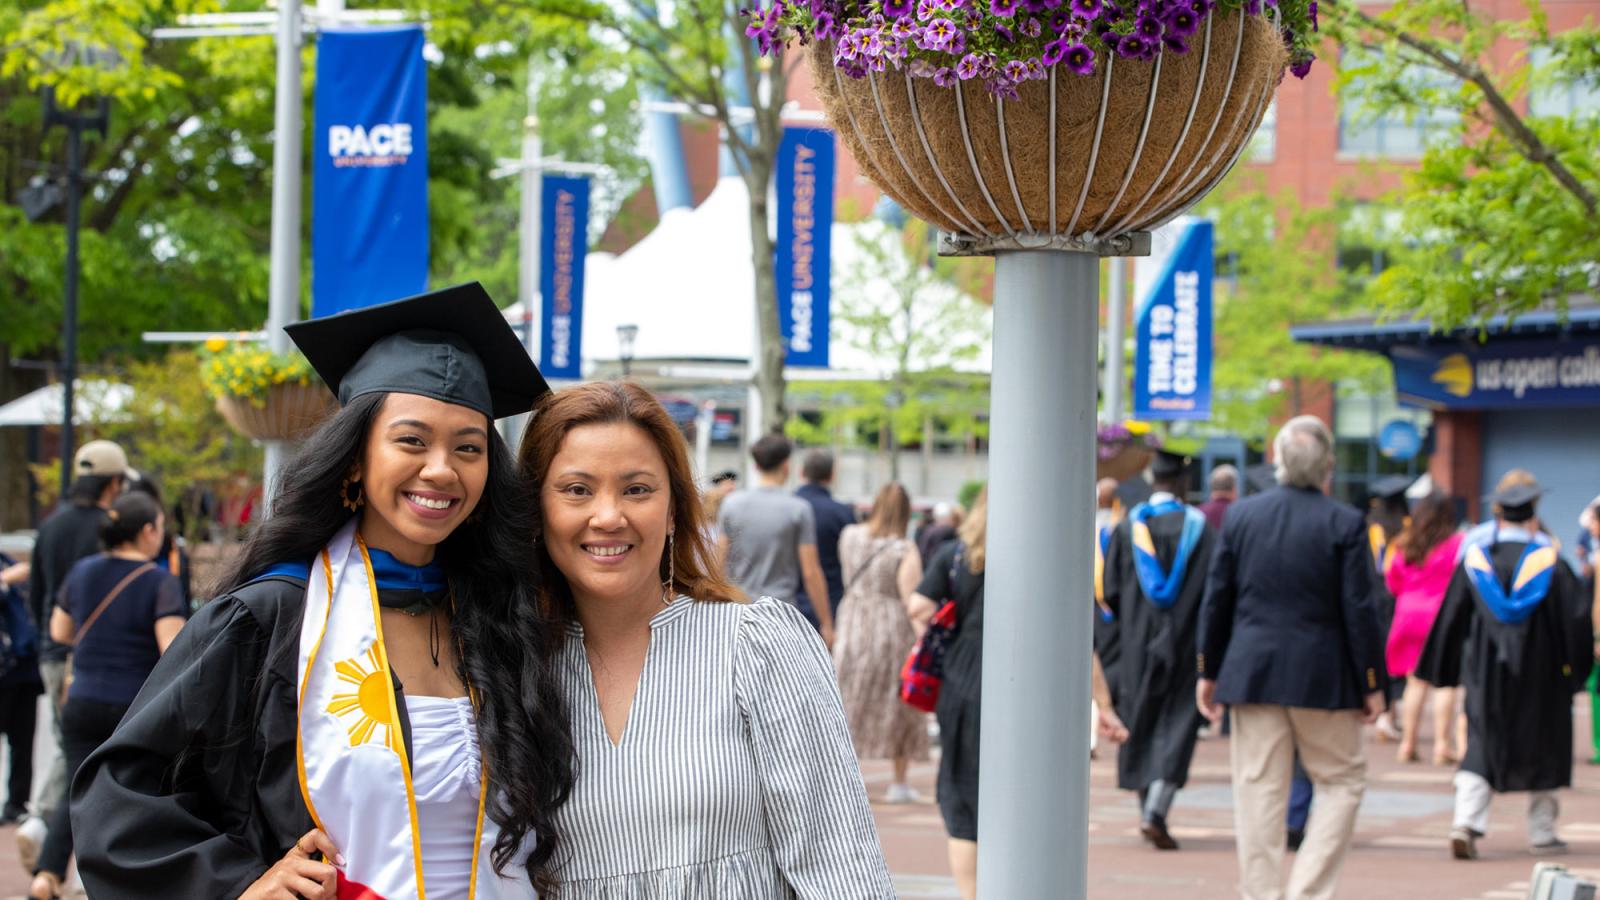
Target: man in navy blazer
{"x":1289,"y":640}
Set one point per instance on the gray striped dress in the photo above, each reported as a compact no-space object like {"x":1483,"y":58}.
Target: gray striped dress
{"x":734,"y":777}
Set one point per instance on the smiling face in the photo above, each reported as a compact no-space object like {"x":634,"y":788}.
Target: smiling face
{"x":422,"y":474}
{"x":607,"y":509}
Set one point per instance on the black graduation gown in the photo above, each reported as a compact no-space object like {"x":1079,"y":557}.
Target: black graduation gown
{"x":197,"y":793}
{"x":1155,"y":668}
{"x":1519,"y":678}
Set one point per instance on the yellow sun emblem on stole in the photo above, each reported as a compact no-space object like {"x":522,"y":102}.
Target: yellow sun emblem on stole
{"x":369,"y":703}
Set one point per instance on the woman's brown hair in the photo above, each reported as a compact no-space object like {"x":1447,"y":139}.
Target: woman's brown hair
{"x":693,"y":565}
{"x":891,"y":512}
{"x":974,"y":531}
{"x":1432,"y":521}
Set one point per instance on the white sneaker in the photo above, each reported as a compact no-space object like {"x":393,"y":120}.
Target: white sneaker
{"x":901,"y":793}
{"x":30,"y":840}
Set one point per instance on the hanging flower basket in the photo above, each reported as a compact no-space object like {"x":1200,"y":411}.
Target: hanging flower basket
{"x":1008,"y":119}
{"x":264,"y":395}
{"x":1124,"y":449}
{"x":288,"y":412}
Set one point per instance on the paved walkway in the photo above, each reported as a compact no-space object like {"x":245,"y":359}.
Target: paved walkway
{"x":1399,"y":852}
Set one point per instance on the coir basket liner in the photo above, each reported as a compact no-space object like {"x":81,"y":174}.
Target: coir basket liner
{"x":1134,"y":144}
{"x":291,"y":411}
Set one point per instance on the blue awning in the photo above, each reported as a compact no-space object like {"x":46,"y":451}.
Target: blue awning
{"x":1379,"y":337}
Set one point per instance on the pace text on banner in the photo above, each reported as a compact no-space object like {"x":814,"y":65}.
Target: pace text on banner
{"x":805,"y":229}
{"x":1172,"y":351}
{"x":563,"y":246}
{"x":369,"y":192}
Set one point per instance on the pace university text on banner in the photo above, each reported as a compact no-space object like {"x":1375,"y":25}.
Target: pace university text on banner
{"x":805,"y":230}
{"x":1172,"y":351}
{"x":369,"y":190}
{"x":563,"y":248}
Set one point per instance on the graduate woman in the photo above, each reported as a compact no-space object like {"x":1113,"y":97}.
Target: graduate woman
{"x":366,"y":710}
{"x":713,"y":756}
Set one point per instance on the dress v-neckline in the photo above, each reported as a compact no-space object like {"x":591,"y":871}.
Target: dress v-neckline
{"x":672,"y":611}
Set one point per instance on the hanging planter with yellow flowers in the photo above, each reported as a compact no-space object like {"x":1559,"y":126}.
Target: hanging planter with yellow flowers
{"x":264,"y":395}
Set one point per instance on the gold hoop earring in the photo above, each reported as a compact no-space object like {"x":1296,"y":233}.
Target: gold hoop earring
{"x":351,"y":503}
{"x":668,"y":586}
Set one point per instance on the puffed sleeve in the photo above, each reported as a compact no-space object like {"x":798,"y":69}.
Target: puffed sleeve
{"x":159,"y":810}
{"x":816,"y":805}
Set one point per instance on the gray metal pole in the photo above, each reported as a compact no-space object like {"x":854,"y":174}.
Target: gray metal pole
{"x":69,"y":336}
{"x":1116,"y":328}
{"x":1034,"y":773}
{"x":283,"y":292}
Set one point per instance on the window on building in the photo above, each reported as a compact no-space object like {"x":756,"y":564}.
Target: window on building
{"x":1553,"y":95}
{"x":1264,"y":143}
{"x":1393,"y":134}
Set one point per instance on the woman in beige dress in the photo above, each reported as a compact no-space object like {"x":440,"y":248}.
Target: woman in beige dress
{"x":873,"y":635}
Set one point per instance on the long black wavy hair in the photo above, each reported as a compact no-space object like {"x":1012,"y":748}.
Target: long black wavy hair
{"x":506,"y":642}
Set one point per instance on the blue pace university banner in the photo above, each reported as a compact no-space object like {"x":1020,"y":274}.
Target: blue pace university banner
{"x":1172,"y":355}
{"x":369,"y":197}
{"x":563,"y":246}
{"x":805,"y":229}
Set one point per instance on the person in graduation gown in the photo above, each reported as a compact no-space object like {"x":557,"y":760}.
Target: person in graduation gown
{"x":1515,"y":630}
{"x":1155,"y":577}
{"x":366,"y":708}
{"x":1388,"y":512}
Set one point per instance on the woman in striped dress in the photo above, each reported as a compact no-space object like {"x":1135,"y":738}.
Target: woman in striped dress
{"x":713,"y":756}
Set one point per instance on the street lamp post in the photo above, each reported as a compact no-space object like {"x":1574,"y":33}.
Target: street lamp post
{"x":626,"y":335}
{"x":76,"y":123}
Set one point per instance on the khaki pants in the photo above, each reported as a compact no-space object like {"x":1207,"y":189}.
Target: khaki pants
{"x":1265,"y":739}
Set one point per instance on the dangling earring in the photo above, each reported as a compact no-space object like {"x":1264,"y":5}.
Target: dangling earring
{"x":668,"y":586}
{"x":352,"y":503}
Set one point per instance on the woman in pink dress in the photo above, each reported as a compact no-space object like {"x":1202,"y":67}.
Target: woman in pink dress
{"x":1425,"y":559}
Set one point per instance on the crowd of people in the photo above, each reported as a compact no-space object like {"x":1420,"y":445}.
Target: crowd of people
{"x":571,"y":669}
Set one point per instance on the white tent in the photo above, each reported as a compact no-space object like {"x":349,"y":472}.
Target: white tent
{"x":92,"y":400}
{"x":689,"y":286}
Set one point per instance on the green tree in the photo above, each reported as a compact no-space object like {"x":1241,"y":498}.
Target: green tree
{"x":1275,"y":269}
{"x":1503,"y":209}
{"x":914,"y":314}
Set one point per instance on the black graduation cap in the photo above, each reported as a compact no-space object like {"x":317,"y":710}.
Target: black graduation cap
{"x":1133,"y":491}
{"x":1516,"y":501}
{"x":1391,"y":487}
{"x":452,"y":345}
{"x":1169,"y":465}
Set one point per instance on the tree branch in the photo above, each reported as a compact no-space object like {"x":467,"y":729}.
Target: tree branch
{"x":1506,"y":119}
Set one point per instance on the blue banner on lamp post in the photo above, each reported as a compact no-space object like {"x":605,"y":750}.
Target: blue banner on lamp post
{"x":563,"y":247}
{"x":805,"y":230}
{"x":369,"y":197}
{"x":1172,"y":351}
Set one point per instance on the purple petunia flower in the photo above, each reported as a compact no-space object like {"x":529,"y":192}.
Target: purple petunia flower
{"x":1005,"y":9}
{"x":1252,"y":7}
{"x":1016,"y":70}
{"x":1301,"y":67}
{"x":1031,"y":27}
{"x":957,"y":44}
{"x":972,"y":20}
{"x":1036,"y":70}
{"x":825,"y":28}
{"x":926,"y":10}
{"x":1149,"y":28}
{"x":944,"y":76}
{"x":1079,"y":59}
{"x":898,"y":9}
{"x":1130,"y":46}
{"x":1004,"y":89}
{"x":1055,"y":50}
{"x":937,"y":34}
{"x":1005,"y":33}
{"x":1033,"y":6}
{"x":1183,"y":22}
{"x":1312,"y":10}
{"x":1088,"y":10}
{"x":1175,"y":44}
{"x":969,"y":67}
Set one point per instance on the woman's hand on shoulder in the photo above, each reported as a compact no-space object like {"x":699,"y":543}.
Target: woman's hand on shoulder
{"x":297,"y":875}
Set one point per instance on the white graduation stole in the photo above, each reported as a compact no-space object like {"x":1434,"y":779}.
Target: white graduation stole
{"x":354,"y":774}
